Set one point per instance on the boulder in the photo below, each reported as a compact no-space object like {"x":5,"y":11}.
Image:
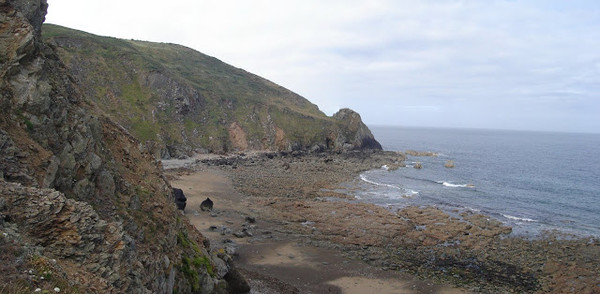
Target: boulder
{"x":180,"y":199}
{"x":236,"y":282}
{"x":206,"y":205}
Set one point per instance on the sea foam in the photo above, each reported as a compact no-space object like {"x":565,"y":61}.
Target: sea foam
{"x":523,"y":219}
{"x":446,"y":184}
{"x":364,"y":178}
{"x":407,"y":193}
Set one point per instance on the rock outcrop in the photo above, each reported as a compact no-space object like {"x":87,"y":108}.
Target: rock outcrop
{"x":78,"y":193}
{"x":355,"y":134}
{"x":180,"y":199}
{"x":179,"y":101}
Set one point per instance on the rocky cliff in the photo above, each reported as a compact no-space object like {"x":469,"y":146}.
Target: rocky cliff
{"x":83,"y":205}
{"x":178,"y":101}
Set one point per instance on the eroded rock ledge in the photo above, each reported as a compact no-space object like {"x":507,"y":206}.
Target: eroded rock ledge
{"x":468,"y":249}
{"x":82,"y":203}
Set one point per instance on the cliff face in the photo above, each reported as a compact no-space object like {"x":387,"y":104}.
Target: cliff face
{"x":356,"y":135}
{"x":178,"y":101}
{"x":81,"y":200}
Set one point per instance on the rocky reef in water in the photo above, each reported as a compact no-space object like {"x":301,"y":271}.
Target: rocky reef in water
{"x":83,"y":205}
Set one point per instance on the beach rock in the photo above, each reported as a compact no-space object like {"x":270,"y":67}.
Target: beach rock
{"x":420,"y":153}
{"x":236,"y":282}
{"x":180,"y":199}
{"x":449,"y":164}
{"x":206,"y":205}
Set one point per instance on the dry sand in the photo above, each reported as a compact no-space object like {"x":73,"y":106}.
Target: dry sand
{"x":275,"y":261}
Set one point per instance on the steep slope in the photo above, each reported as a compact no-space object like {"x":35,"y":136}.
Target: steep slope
{"x":179,"y":100}
{"x":82,"y":206}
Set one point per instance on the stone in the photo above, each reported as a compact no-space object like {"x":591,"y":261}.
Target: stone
{"x":180,"y":199}
{"x":236,"y":282}
{"x":206,"y":205}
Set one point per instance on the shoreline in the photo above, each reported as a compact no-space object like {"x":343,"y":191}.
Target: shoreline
{"x":470,"y":251}
{"x":518,"y":224}
{"x":274,"y":257}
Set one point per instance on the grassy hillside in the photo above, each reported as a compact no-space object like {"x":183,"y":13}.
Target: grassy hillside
{"x":185,"y":100}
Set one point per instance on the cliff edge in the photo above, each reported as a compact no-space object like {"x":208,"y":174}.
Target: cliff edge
{"x":83,"y":205}
{"x":179,"y":101}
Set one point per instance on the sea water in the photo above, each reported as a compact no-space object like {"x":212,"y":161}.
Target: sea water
{"x":532,"y":181}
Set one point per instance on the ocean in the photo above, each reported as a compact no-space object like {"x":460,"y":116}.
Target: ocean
{"x":532,"y":181}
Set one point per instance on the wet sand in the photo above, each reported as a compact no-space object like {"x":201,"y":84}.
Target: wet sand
{"x":275,"y":260}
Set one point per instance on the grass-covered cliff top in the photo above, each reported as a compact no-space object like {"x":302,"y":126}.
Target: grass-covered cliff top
{"x":185,"y":100}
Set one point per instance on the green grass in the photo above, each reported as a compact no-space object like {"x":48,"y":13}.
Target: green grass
{"x":194,"y":263}
{"x":145,"y":130}
{"x":113,"y":69}
{"x":28,"y":124}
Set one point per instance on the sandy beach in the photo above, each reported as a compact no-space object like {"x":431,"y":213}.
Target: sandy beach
{"x":272,"y":254}
{"x":287,"y":232}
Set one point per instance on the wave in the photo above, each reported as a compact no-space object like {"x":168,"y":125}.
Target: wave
{"x":410,"y":193}
{"x":406,"y":193}
{"x":446,"y":184}
{"x":364,"y":178}
{"x":523,"y":219}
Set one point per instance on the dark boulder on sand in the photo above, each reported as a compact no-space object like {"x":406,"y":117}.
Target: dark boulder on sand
{"x":180,"y":199}
{"x":206,"y":205}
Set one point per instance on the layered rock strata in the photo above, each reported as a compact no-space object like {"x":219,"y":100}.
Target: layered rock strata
{"x":80,"y":197}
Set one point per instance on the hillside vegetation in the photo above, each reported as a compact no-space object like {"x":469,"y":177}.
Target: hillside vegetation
{"x":178,"y":100}
{"x":83,"y":209}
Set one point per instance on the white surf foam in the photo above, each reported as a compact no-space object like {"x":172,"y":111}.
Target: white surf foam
{"x":364,"y":178}
{"x":446,"y":184}
{"x":410,"y":193}
{"x":523,"y":219}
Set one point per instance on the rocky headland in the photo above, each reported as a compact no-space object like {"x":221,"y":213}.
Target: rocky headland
{"x":179,"y":102}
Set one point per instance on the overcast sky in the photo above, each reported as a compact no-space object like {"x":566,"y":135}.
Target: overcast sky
{"x":498,"y":64}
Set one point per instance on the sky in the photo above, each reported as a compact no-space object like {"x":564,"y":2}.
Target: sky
{"x":497,"y":64}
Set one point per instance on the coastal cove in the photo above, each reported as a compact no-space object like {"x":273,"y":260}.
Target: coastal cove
{"x":531,"y":181}
{"x":294,"y":198}
{"x":130,"y":166}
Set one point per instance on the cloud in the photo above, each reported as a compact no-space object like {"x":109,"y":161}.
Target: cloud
{"x":469,"y":56}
